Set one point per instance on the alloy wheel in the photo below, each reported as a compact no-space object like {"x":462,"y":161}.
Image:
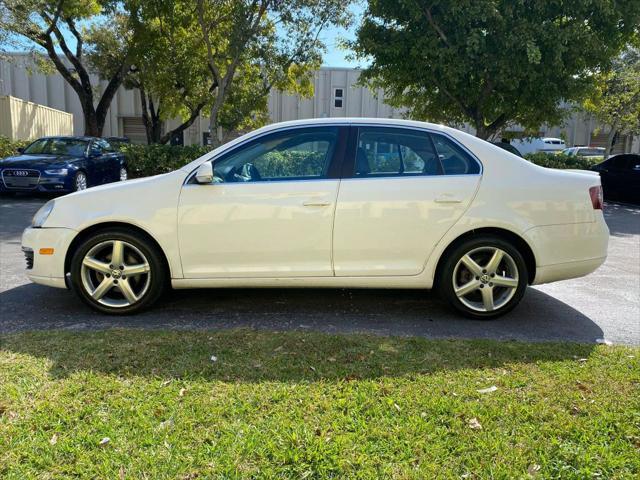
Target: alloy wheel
{"x":81,"y":181}
{"x":115,"y":273}
{"x":485,"y":279}
{"x":123,"y":174}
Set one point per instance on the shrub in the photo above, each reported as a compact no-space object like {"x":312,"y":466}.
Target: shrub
{"x":147,"y":160}
{"x":10,"y":147}
{"x":290,"y":164}
{"x":562,"y":161}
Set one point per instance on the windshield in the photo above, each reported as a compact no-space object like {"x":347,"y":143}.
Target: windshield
{"x":58,"y":146}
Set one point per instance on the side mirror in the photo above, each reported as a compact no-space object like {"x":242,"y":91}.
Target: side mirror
{"x":204,"y":174}
{"x":20,"y":149}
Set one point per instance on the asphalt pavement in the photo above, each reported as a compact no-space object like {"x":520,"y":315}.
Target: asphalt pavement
{"x":605,"y":304}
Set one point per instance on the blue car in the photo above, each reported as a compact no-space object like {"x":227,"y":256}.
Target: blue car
{"x":62,"y":164}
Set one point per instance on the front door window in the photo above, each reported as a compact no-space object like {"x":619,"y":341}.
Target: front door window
{"x":299,"y":154}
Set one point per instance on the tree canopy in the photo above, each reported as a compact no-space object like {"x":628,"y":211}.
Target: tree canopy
{"x":616,"y":100}
{"x":491,"y":62}
{"x":265,"y":44}
{"x":59,"y":28}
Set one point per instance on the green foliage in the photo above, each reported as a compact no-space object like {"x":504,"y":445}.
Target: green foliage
{"x":297,"y":405}
{"x":290,"y":164}
{"x":491,"y":62}
{"x":616,"y":100}
{"x":9,"y":147}
{"x":562,"y":161}
{"x":147,"y":160}
{"x":264,"y":45}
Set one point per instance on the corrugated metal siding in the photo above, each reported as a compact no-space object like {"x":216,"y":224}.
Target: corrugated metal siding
{"x":21,"y":120}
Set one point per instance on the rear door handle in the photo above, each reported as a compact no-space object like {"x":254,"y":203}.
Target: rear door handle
{"x":447,"y":198}
{"x":317,"y":203}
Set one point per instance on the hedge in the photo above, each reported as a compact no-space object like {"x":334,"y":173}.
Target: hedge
{"x":147,"y":160}
{"x":10,"y":147}
{"x":562,"y":161}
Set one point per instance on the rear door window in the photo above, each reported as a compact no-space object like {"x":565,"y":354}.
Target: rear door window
{"x":384,"y":152}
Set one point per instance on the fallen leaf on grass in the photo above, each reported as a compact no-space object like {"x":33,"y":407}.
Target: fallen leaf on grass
{"x":121,"y":473}
{"x":166,"y":424}
{"x":54,"y":439}
{"x":182,"y":392}
{"x":474,"y":424}
{"x":397,"y":407}
{"x":214,"y":358}
{"x":490,"y":389}
{"x":533,"y":469}
{"x":331,"y":359}
{"x":104,"y":441}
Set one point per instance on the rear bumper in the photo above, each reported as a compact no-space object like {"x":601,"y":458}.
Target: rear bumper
{"x":48,"y":269}
{"x":570,"y":250}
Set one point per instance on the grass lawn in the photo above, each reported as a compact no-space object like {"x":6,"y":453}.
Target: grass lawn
{"x":311,"y":405}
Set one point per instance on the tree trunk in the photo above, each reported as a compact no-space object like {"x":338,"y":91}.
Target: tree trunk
{"x":195,"y":113}
{"x":610,"y":137}
{"x":482,"y":131}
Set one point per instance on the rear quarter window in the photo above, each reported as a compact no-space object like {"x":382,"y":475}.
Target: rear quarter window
{"x":455,"y":161}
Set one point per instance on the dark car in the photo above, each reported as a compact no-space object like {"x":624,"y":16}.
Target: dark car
{"x":620,"y":176}
{"x":62,"y":164}
{"x":508,"y":147}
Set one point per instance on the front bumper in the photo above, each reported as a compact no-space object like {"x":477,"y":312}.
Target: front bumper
{"x":47,"y":269}
{"x":45,"y":184}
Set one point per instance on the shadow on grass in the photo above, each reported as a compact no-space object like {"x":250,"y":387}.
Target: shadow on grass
{"x":257,"y":356}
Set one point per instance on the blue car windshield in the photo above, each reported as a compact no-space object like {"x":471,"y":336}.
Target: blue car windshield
{"x":58,"y":146}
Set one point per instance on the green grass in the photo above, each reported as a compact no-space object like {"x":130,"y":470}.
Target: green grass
{"x":310,"y":405}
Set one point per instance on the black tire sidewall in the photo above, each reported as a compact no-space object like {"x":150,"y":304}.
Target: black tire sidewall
{"x":445,"y":283}
{"x":159,"y":273}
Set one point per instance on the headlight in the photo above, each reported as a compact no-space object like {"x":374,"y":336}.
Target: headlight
{"x":41,"y":215}
{"x":57,"y":171}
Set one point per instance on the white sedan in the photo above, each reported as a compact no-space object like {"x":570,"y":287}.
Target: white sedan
{"x":346,"y":203}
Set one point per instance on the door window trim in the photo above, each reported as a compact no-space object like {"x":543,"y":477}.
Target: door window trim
{"x":333,"y":169}
{"x":344,"y":154}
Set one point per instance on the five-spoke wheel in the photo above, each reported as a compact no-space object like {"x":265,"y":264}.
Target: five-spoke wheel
{"x":118,"y":272}
{"x":484,"y":277}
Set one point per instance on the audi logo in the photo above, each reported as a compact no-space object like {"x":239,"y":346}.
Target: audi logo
{"x":21,"y":173}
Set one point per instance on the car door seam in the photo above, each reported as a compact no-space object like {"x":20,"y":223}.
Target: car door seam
{"x":333,"y":224}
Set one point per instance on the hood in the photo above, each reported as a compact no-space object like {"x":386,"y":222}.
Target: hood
{"x":37,"y":161}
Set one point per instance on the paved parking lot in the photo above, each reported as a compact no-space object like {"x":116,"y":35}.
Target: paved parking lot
{"x":605,"y":304}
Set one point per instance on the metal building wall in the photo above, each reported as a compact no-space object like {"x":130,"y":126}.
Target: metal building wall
{"x":22,"y":120}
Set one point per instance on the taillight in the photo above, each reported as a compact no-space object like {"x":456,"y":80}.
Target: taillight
{"x":596,"y":197}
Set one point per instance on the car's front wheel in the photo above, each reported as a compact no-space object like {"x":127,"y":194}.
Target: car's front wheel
{"x":118,"y":272}
{"x":483,"y":277}
{"x":80,"y":181}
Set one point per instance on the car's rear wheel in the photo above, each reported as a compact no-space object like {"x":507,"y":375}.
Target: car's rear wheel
{"x":483,"y":277}
{"x":123,"y":174}
{"x":80,"y":181}
{"x":118,"y":272}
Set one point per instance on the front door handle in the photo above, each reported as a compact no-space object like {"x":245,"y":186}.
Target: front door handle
{"x":312,"y":203}
{"x":447,"y":198}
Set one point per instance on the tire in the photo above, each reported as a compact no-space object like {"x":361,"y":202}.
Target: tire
{"x":80,"y":181}
{"x":494,"y":282}
{"x":106,"y":287}
{"x":124,"y":174}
